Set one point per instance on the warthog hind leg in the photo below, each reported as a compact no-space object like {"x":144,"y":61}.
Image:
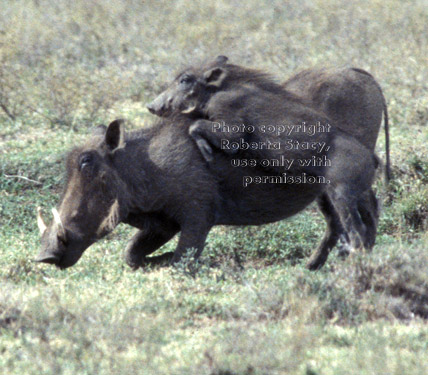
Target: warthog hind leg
{"x":368,"y":208}
{"x":333,"y":231}
{"x":346,"y":205}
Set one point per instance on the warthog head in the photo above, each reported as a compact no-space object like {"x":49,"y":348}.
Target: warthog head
{"x":191,"y":89}
{"x":91,"y":203}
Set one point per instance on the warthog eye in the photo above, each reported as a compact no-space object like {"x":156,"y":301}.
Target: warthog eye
{"x":85,"y":160}
{"x":186,"y":79}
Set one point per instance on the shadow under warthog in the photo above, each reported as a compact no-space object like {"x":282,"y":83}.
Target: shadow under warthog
{"x":157,"y":181}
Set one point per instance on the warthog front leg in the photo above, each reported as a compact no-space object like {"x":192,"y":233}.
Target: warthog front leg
{"x":192,"y":236}
{"x":143,"y":244}
{"x":146,"y":241}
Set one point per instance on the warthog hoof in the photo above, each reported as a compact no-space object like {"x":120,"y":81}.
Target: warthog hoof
{"x":158,"y":260}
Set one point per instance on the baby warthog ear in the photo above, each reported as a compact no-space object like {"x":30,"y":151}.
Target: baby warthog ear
{"x":215,"y":76}
{"x":221,"y":60}
{"x":99,"y":130}
{"x":115,"y":137}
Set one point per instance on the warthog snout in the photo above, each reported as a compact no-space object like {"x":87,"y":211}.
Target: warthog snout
{"x":47,"y":258}
{"x":151,"y":108}
{"x":60,"y":247}
{"x":54,"y":237}
{"x":161,"y":106}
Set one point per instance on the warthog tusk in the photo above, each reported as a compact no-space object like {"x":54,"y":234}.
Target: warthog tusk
{"x":56,"y":216}
{"x":189,"y":109}
{"x":57,"y":219}
{"x":40,"y":223}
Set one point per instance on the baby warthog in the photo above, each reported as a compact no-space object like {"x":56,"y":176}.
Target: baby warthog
{"x":243,"y":113}
{"x":157,"y":181}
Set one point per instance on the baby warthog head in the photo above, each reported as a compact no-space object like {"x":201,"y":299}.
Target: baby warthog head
{"x":91,"y":204}
{"x":191,"y":89}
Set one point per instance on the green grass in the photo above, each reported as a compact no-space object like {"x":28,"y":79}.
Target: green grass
{"x":249,"y":306}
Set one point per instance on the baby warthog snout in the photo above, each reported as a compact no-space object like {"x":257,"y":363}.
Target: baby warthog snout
{"x":161,"y":106}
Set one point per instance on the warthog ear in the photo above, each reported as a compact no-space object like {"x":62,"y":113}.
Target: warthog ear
{"x":115,"y":135}
{"x":215,"y":76}
{"x":99,"y":130}
{"x":221,"y":60}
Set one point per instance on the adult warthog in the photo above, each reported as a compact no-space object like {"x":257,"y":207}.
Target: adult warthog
{"x":354,"y":101}
{"x":351,"y":98}
{"x":157,"y":181}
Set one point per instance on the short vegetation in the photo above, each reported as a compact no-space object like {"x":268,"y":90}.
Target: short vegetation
{"x":248,"y":306}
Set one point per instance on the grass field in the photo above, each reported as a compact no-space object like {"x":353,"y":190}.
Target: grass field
{"x":250,"y":307}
